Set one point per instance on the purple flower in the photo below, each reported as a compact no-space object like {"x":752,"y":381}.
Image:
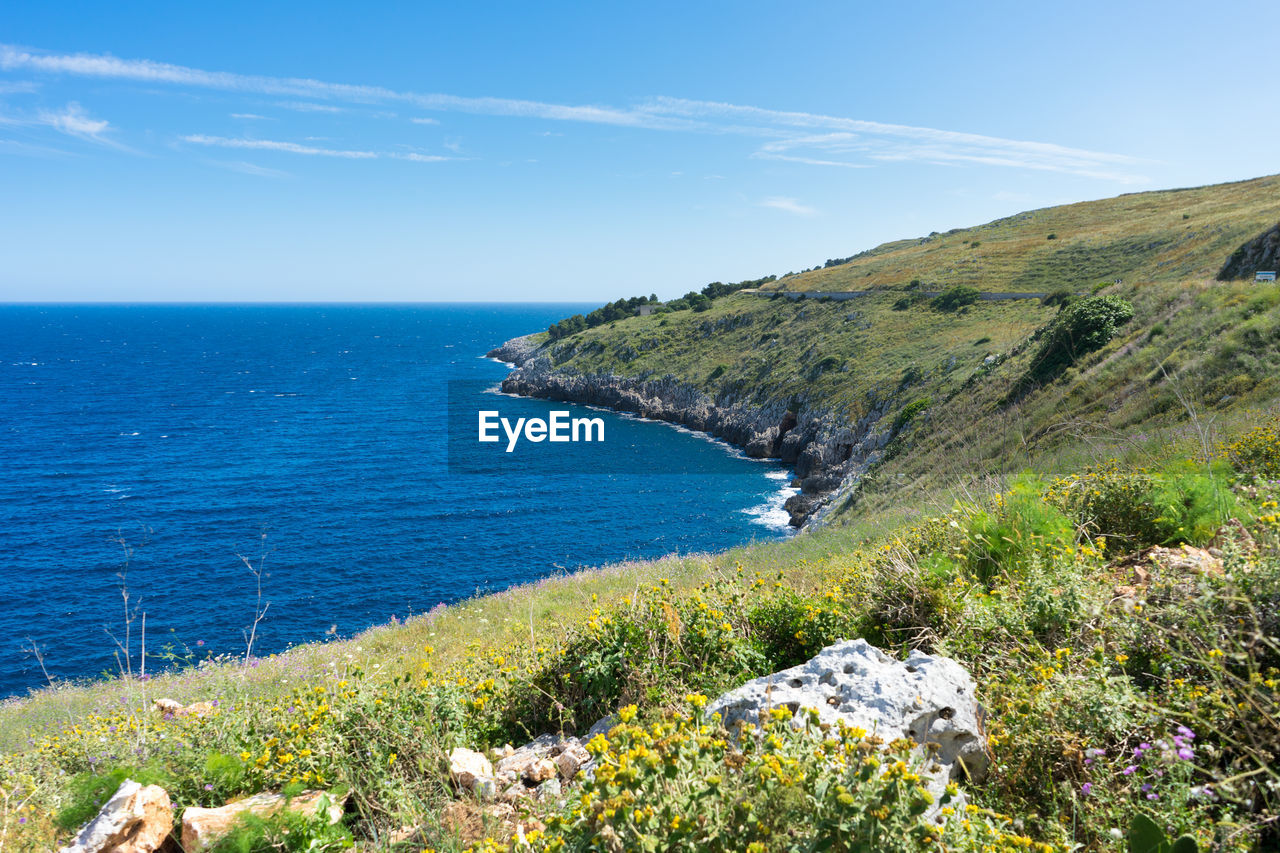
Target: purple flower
{"x":1086,"y":788}
{"x":1186,"y":733}
{"x":1186,"y":754}
{"x":1146,"y":787}
{"x":1153,"y":796}
{"x":208,"y":786}
{"x":199,"y":642}
{"x":1129,"y":771}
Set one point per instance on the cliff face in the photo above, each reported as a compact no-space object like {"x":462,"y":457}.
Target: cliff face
{"x":823,"y":450}
{"x":1260,"y":253}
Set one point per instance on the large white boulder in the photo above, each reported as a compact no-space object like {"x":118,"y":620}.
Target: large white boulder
{"x":136,"y":819}
{"x":925,"y":698}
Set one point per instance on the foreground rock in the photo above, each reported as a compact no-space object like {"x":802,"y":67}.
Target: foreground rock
{"x":200,"y":827}
{"x":540,"y":766}
{"x":927,"y":699}
{"x":136,"y":819}
{"x":468,"y":768}
{"x":173,"y":707}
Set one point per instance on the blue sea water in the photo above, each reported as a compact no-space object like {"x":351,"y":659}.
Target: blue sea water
{"x":318,"y":436}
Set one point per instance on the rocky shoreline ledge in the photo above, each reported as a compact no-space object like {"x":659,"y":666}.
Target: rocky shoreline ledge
{"x":825,"y":452}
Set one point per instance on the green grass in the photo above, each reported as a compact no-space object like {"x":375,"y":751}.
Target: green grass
{"x":1141,"y":236}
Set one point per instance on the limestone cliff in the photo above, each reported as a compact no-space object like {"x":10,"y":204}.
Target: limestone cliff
{"x":1260,"y":253}
{"x":823,"y":449}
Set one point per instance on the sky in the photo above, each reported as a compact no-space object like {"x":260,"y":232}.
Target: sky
{"x":582,"y":151}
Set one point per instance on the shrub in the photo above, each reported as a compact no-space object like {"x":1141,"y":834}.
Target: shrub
{"x":1134,"y":509}
{"x":1061,"y":296}
{"x":909,"y":412}
{"x":1001,"y":541}
{"x":955,"y":297}
{"x":1081,"y":328}
{"x":684,"y":784}
{"x":1257,"y":452}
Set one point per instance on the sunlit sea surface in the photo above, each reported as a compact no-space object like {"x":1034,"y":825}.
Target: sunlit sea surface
{"x":150,"y":448}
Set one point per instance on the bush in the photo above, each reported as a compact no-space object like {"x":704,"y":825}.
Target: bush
{"x":1257,"y":452}
{"x":955,"y":297}
{"x":683,"y":784}
{"x":1081,"y":328}
{"x":909,"y":412}
{"x":1135,"y":509}
{"x":1001,"y":541}
{"x":1061,"y":297}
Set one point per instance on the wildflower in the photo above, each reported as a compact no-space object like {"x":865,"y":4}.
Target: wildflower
{"x":1086,"y":788}
{"x":1185,"y":753}
{"x":1130,"y":770}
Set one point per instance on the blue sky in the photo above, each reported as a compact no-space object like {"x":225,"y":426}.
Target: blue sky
{"x":558,"y":151}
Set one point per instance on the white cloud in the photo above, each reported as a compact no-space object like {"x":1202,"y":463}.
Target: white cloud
{"x":425,"y":120}
{"x":74,"y":121}
{"x":249,"y":116}
{"x":309,"y":107}
{"x":789,"y":205}
{"x":421,"y":158}
{"x":275,"y":145}
{"x":798,"y":137}
{"x":309,"y":150}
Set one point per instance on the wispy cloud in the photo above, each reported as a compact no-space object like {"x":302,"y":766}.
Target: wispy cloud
{"x":310,"y":150}
{"x":309,"y":107}
{"x":789,"y":205}
{"x":420,"y":120}
{"x":249,"y":116}
{"x":805,"y":138}
{"x":74,"y":121}
{"x":276,"y":145}
{"x":421,"y":158}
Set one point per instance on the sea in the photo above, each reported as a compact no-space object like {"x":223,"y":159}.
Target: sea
{"x":198,"y":464}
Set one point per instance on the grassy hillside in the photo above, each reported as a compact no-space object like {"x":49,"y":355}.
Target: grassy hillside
{"x":1173,"y":235}
{"x":1031,"y":531}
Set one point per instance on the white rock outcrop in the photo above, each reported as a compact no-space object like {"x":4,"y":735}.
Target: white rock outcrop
{"x":136,"y":819}
{"x":468,"y":767}
{"x":925,"y":698}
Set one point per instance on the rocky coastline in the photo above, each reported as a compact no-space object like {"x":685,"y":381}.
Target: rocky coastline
{"x":826,"y":452}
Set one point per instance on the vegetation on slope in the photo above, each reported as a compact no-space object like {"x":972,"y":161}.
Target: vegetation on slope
{"x":1166,"y":236}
